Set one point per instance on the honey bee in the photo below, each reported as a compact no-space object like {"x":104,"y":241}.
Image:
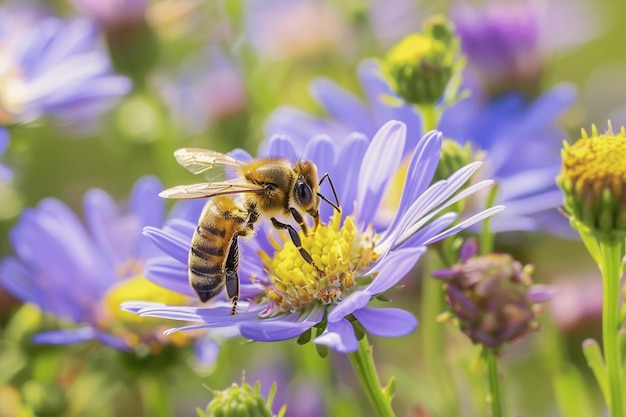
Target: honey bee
{"x":270,"y":187}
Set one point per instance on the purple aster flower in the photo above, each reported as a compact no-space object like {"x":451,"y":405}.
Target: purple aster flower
{"x":80,"y":273}
{"x":521,"y":138}
{"x":507,"y":44}
{"x":54,"y":68}
{"x":286,"y":296}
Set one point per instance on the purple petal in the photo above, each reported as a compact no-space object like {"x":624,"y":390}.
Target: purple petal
{"x":339,"y":336}
{"x":280,"y":146}
{"x":376,"y":88}
{"x":145,"y":202}
{"x":346,"y":174}
{"x":393,"y":268}
{"x":4,"y":139}
{"x":422,"y":167}
{"x":174,"y":246}
{"x":170,"y":274}
{"x":269,"y":330}
{"x":70,"y":336}
{"x":465,"y":224}
{"x":469,"y":249}
{"x":299,"y":126}
{"x":386,"y":322}
{"x":380,"y":164}
{"x":206,"y":351}
{"x":354,"y":301}
{"x":427,"y":232}
{"x":540,"y":293}
{"x":115,"y":234}
{"x":79,"y":335}
{"x":321,"y":149}
{"x":343,"y":106}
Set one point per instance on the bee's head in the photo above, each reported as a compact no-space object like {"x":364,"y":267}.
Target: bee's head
{"x":305,"y":189}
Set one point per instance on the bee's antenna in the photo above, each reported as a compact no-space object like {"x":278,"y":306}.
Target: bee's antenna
{"x":335,"y":205}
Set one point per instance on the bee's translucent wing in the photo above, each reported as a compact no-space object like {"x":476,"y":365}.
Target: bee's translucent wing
{"x":197,"y":160}
{"x":210,"y":189}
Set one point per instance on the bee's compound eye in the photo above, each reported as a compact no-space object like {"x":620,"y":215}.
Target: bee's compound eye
{"x":304,"y":193}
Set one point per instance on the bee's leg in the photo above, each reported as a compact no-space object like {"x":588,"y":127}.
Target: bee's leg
{"x":296,"y":241}
{"x":232,"y":278}
{"x":298,"y":218}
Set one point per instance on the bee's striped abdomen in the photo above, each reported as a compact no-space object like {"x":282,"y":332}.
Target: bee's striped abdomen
{"x":219,"y":222}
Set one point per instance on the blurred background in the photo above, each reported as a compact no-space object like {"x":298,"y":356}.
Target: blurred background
{"x":209,"y":74}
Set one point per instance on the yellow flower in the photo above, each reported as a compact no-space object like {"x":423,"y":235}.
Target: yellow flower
{"x":593,"y":178}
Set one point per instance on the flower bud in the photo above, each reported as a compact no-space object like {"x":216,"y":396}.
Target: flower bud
{"x":593,"y":179}
{"x":453,"y":157}
{"x":239,"y":401}
{"x":491,"y":297}
{"x":420,"y":66}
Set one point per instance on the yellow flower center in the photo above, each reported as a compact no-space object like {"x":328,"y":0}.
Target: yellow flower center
{"x":338,"y":251}
{"x":132,"y":327}
{"x":593,"y":178}
{"x":595,"y":164}
{"x":413,"y":48}
{"x":13,"y":91}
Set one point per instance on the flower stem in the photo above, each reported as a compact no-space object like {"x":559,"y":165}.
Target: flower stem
{"x":494,"y":383}
{"x":363,"y":363}
{"x":487,"y":237}
{"x":610,"y":267}
{"x":430,"y":117}
{"x":154,"y":396}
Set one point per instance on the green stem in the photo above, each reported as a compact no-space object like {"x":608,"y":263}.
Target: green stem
{"x":430,"y":117}
{"x":433,"y":304}
{"x":363,"y":363}
{"x":487,"y":237}
{"x":494,"y":383}
{"x":610,"y":267}
{"x":154,"y":396}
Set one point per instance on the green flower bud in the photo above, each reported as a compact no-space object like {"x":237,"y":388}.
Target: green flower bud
{"x":453,"y":157}
{"x":593,"y":179}
{"x":45,"y":400}
{"x":240,"y":401}
{"x":420,"y":66}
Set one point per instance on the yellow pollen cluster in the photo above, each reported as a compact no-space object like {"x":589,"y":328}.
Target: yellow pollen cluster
{"x":338,"y":252}
{"x":596,"y":163}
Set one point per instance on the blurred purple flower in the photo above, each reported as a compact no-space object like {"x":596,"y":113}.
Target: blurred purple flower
{"x":208,"y":87}
{"x":282,"y":305}
{"x":114,"y":13}
{"x":522,"y":138}
{"x":79,"y":273}
{"x":53,"y":68}
{"x":508,"y":44}
{"x":579,"y":302}
{"x":278,"y":29}
{"x":391,"y":20}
